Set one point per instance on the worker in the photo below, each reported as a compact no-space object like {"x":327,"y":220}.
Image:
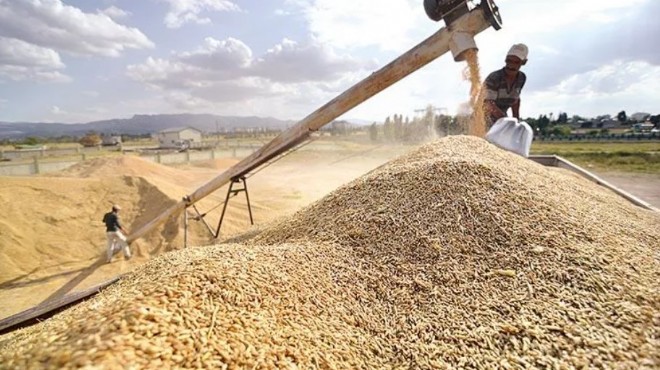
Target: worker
{"x":503,"y":86}
{"x":115,"y":233}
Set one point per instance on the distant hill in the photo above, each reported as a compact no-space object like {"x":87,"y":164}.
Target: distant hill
{"x":140,"y":124}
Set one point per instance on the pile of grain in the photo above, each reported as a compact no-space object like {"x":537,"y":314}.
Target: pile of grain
{"x":273,"y":306}
{"x":126,"y":165}
{"x":52,"y":221}
{"x":456,"y":255}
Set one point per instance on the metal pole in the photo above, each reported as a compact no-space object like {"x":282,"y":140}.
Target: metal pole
{"x":247,"y":197}
{"x":201,"y":218}
{"x":185,"y":228}
{"x":224,"y":208}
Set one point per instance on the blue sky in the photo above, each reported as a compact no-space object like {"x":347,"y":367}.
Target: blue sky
{"x":76,"y":61}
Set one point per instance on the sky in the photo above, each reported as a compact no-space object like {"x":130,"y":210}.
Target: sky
{"x":76,"y":61}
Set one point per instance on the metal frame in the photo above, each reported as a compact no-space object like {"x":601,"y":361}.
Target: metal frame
{"x":557,"y":161}
{"x":200,"y":216}
{"x":234,"y":192}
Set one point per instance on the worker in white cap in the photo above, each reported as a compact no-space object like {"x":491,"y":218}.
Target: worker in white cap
{"x":115,"y":234}
{"x":503,"y":86}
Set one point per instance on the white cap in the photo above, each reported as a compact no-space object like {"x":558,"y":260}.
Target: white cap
{"x":519,"y":50}
{"x":116,"y":207}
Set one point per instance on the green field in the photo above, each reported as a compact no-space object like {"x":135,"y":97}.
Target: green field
{"x":616,"y":156}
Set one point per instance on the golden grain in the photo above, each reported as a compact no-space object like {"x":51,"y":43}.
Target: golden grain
{"x":455,"y":255}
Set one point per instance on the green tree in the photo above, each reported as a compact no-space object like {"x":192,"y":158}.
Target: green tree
{"x":532,"y":123}
{"x":655,"y":119}
{"x":31,"y":140}
{"x":561,"y":130}
{"x":91,"y":139}
{"x":443,"y":125}
{"x":388,"y":129}
{"x":398,"y":127}
{"x":562,"y":118}
{"x":543,"y":123}
{"x":373,"y":132}
{"x":622,"y":117}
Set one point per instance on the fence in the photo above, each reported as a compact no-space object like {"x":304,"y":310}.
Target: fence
{"x":40,"y":165}
{"x":654,"y":136}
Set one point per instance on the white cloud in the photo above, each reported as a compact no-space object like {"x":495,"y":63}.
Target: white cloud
{"x":91,"y":93}
{"x":57,"y":110}
{"x":605,"y":90}
{"x":587,"y":57}
{"x":96,"y":111}
{"x":386,"y":24}
{"x":228,"y":56}
{"x":578,"y":61}
{"x":115,"y":13}
{"x":17,"y":73}
{"x":552,"y":16}
{"x":226,"y":71}
{"x":156,"y":72}
{"x":63,"y":28}
{"x":185,"y":11}
{"x":20,"y":61}
{"x":244,"y":88}
{"x":20,"y":53}
{"x":291,"y":62}
{"x":79,"y":115}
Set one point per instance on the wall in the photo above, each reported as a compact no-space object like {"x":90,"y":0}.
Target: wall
{"x":22,"y":154}
{"x":190,"y":134}
{"x":40,"y":165}
{"x":168,"y":139}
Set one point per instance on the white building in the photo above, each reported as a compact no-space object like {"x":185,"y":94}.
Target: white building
{"x":179,"y":138}
{"x":111,"y":140}
{"x":639,"y":116}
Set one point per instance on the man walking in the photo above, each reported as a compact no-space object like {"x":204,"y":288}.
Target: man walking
{"x":115,"y":234}
{"x":503,"y":86}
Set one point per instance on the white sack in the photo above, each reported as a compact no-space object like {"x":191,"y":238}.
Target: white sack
{"x":509,"y":134}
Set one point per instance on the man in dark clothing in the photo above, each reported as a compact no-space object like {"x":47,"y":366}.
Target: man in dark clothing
{"x":115,"y":234}
{"x":503,"y":86}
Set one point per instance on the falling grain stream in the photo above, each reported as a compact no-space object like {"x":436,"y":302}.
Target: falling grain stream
{"x":477,"y":125}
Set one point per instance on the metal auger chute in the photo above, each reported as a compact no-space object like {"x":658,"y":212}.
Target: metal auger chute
{"x":463,"y":21}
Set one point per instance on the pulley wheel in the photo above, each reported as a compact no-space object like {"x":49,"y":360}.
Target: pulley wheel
{"x":432,"y":9}
{"x":492,"y":13}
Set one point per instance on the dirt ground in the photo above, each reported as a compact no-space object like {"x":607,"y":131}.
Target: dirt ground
{"x":644,"y":186}
{"x":52,"y":240}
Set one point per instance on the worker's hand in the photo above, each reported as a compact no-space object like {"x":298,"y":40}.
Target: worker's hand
{"x":493,"y":110}
{"x":497,"y":114}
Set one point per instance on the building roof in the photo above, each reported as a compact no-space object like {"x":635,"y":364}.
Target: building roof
{"x":178,"y":129}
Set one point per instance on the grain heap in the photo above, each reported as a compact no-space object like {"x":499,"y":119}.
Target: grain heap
{"x":456,"y":255}
{"x":486,"y":257}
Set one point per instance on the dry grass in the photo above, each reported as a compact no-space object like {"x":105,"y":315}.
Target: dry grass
{"x":456,"y":255}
